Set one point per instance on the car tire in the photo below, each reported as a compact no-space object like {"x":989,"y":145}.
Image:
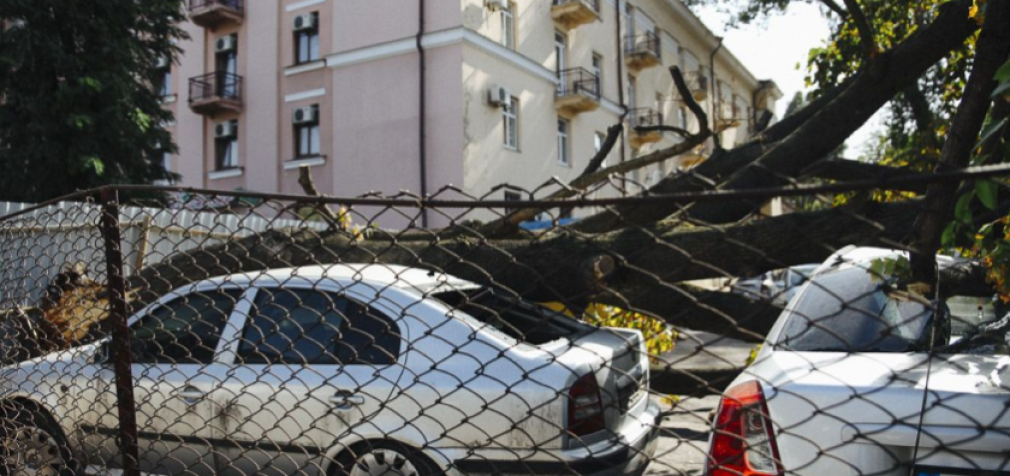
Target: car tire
{"x":390,"y":458}
{"x":29,"y":440}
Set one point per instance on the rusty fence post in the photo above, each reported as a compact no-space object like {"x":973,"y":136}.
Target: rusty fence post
{"x":120,"y":345}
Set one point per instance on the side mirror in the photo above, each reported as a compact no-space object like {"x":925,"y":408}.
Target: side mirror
{"x":102,"y":353}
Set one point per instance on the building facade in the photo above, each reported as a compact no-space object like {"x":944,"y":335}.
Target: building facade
{"x":392,"y":95}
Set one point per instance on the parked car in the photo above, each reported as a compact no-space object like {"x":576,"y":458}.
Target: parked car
{"x":777,"y":286}
{"x":844,"y":384}
{"x":367,"y":369}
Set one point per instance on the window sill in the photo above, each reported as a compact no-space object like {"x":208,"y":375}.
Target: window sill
{"x":226,"y":173}
{"x":312,"y":161}
{"x":305,"y":67}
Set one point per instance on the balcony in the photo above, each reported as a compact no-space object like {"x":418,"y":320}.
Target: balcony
{"x":573,"y":13}
{"x":642,"y":51}
{"x":728,"y":117}
{"x":214,"y":93}
{"x":578,"y":91}
{"x":213,"y":13}
{"x":644,"y":117}
{"x":697,"y":82}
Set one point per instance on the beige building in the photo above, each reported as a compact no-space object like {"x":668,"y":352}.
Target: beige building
{"x":391,"y":95}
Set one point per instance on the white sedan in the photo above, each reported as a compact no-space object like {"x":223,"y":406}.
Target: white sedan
{"x":844,"y":385}
{"x":344,"y":369}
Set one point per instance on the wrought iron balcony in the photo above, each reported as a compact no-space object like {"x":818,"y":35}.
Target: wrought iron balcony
{"x":643,"y":51}
{"x":214,"y":13}
{"x":572,"y":13}
{"x":644,"y":117}
{"x":215,"y":92}
{"x":578,"y":91}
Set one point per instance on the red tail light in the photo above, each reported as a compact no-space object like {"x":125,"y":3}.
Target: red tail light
{"x":585,"y":407}
{"x":743,"y":443}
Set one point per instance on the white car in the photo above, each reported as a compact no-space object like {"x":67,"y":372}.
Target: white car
{"x":844,"y":385}
{"x":343,"y":369}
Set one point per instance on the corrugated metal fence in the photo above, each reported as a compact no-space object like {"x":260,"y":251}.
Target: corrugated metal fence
{"x":150,"y":235}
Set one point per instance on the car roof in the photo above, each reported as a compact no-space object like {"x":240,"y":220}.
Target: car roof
{"x":860,"y":256}
{"x":380,"y":275}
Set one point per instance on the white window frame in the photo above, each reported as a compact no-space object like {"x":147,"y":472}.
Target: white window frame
{"x":598,"y":71}
{"x":510,"y":122}
{"x":564,"y":142}
{"x":508,"y":26}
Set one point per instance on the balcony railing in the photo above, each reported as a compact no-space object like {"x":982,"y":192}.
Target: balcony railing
{"x":213,"y":13}
{"x":643,"y":51}
{"x":644,"y":117}
{"x":578,"y":91}
{"x":697,"y":82}
{"x":215,"y":92}
{"x":572,"y":13}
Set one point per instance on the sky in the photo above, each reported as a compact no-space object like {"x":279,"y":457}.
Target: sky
{"x":773,"y":48}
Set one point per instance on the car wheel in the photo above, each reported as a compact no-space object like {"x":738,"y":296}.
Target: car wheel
{"x":32,"y":445}
{"x":384,"y":459}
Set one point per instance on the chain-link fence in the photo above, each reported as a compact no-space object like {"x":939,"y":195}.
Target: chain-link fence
{"x":144,"y":329}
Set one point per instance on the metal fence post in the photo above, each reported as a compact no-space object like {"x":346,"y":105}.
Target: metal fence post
{"x":120,"y":346}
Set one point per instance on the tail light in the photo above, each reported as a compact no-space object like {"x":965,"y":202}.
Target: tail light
{"x":585,"y":407}
{"x":743,"y":443}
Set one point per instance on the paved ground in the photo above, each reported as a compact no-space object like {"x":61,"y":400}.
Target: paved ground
{"x":683,"y":441}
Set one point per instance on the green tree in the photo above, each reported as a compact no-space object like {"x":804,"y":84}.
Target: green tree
{"x":80,"y":108}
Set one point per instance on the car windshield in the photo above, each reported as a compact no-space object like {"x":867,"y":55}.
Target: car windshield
{"x":849,"y":311}
{"x":512,"y":316}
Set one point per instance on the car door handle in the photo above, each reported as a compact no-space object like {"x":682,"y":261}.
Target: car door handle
{"x":345,"y":400}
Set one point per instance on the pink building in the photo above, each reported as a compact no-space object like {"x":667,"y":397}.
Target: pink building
{"x":390,"y":95}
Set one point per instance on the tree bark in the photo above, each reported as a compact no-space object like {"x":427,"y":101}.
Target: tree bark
{"x":991,"y":52}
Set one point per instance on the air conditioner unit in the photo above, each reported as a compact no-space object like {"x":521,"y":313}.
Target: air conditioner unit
{"x":306,"y":115}
{"x":224,"y":130}
{"x":305,"y":22}
{"x":225,"y":44}
{"x":162,"y":62}
{"x":496,"y":5}
{"x":499,"y":96}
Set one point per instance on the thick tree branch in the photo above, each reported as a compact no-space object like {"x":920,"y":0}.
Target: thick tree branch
{"x":613,"y":133}
{"x":868,"y":44}
{"x":991,"y":51}
{"x":835,"y":8}
{"x":849,"y":170}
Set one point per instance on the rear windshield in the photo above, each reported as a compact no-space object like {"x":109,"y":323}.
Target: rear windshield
{"x":512,"y":316}
{"x":849,"y":311}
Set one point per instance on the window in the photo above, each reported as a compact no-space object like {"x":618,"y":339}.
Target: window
{"x":511,"y":196}
{"x":226,"y":148}
{"x":682,"y":117}
{"x":164,"y":85}
{"x":510,"y":119}
{"x":226,"y":63}
{"x":508,"y":26}
{"x":307,"y":42}
{"x":184,"y":331}
{"x":560,"y":52}
{"x":563,"y":153}
{"x":632,"y":92}
{"x":307,"y":136}
{"x":598,"y":71}
{"x":598,"y":139}
{"x":295,"y":326}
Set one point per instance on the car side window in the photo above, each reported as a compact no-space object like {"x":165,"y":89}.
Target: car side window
{"x":295,"y":326}
{"x":186,"y":330}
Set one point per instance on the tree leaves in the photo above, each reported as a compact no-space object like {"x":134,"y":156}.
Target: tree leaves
{"x":987,"y":192}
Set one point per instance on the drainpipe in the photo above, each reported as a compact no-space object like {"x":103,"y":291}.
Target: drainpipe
{"x":422,"y":111}
{"x":620,"y":80}
{"x":715,"y":94}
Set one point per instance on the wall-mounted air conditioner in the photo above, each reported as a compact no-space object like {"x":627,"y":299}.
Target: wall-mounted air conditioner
{"x":496,"y":5}
{"x":499,"y":96}
{"x":225,"y":44}
{"x":306,"y":115}
{"x":225,"y":130}
{"x":305,"y":22}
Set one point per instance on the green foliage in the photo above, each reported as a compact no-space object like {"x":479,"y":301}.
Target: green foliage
{"x":79,"y":108}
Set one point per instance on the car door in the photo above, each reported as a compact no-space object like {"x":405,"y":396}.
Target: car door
{"x":310,"y":365}
{"x":174,"y":370}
